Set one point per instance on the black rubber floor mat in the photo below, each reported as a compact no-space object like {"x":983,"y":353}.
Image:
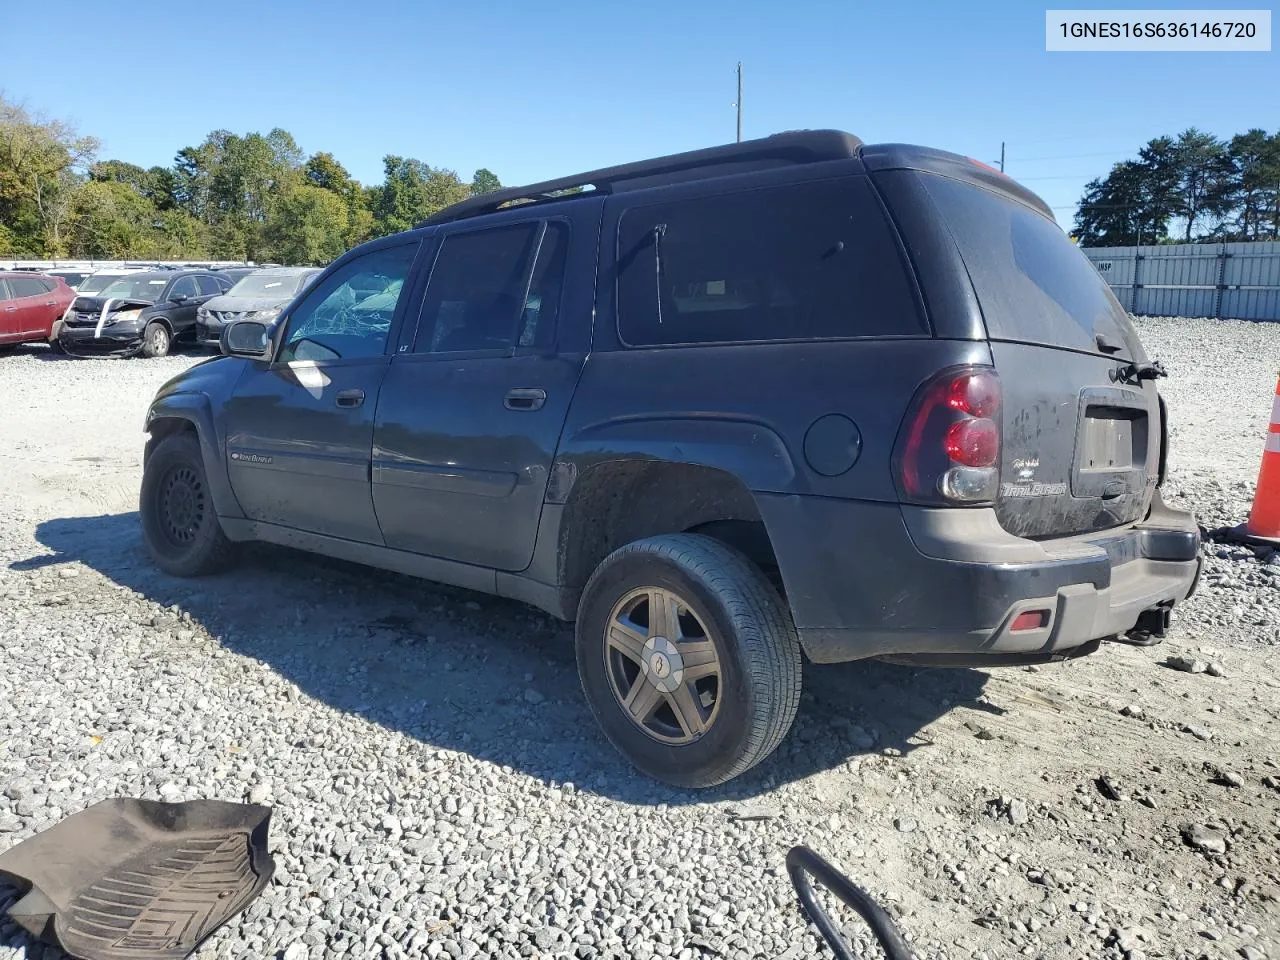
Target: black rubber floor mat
{"x":133,"y":879}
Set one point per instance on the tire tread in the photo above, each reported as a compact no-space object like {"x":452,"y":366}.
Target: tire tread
{"x":763,"y":625}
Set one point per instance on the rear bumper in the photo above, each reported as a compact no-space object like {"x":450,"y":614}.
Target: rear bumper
{"x":875,"y":580}
{"x":113,"y":342}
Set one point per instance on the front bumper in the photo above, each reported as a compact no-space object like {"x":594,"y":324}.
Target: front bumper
{"x":945,"y":586}
{"x":116,"y":340}
{"x":209,"y":334}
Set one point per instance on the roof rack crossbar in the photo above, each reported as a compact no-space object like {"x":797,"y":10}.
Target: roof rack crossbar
{"x":800,"y":146}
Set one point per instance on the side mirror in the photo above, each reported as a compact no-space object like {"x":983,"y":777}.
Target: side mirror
{"x":180,"y":298}
{"x":246,"y":338}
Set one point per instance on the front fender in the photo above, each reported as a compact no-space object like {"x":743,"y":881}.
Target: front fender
{"x":195,"y":410}
{"x":749,"y":451}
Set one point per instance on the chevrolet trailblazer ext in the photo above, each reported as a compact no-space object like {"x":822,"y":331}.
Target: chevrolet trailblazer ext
{"x":794,"y":397}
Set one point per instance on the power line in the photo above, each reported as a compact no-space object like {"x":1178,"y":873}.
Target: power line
{"x":1065,"y":176}
{"x":1072,"y":156}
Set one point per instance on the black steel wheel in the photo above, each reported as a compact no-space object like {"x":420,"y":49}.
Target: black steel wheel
{"x":179,"y":522}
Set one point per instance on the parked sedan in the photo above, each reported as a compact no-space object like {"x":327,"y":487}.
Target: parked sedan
{"x":141,"y":314}
{"x":30,"y":303}
{"x":260,"y":296}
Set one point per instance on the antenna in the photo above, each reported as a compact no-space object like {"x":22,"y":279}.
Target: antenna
{"x":739,"y":103}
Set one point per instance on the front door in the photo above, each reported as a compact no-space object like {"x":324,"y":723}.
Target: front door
{"x":300,"y":429}
{"x":9,"y":318}
{"x":472,"y":406}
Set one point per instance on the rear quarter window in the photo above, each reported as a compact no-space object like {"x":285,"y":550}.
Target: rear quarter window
{"x":1033,"y":284}
{"x":798,"y":262}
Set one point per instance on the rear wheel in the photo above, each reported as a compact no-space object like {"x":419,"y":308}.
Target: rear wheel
{"x":155,"y":340}
{"x":688,"y":659}
{"x":179,"y":524}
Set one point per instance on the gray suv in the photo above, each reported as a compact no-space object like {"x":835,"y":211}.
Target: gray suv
{"x":794,"y":398}
{"x":259,"y":295}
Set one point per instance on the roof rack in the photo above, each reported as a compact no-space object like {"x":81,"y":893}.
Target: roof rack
{"x":797,"y":146}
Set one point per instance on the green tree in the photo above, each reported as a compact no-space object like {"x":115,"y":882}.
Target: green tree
{"x":42,"y":165}
{"x":324,"y":171}
{"x":1205,"y":183}
{"x":1255,"y":200}
{"x":484,"y":181}
{"x":1113,"y":207}
{"x":111,"y":220}
{"x":412,"y":191}
{"x":309,"y":226}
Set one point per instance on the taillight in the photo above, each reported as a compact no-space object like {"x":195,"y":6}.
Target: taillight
{"x":949,"y":447}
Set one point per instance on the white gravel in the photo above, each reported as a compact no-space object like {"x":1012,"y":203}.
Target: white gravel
{"x":440,"y":790}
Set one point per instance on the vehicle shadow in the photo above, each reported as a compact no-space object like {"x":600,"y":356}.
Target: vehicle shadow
{"x":472,"y":673}
{"x":14,"y":937}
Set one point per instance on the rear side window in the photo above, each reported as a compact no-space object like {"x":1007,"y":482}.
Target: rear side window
{"x":27,"y":287}
{"x":1033,"y":284}
{"x":798,"y":262}
{"x":209,"y":287}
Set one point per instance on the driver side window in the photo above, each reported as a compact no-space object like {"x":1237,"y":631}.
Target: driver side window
{"x":348,"y":314}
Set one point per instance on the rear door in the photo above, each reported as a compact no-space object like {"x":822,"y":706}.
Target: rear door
{"x":184,"y":297}
{"x":474,"y":402}
{"x":35,"y":302}
{"x":1081,"y":433}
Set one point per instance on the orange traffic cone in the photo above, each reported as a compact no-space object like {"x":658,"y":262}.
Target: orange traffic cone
{"x":1264,"y":518}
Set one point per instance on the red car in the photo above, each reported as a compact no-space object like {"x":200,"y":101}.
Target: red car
{"x":29,"y":305}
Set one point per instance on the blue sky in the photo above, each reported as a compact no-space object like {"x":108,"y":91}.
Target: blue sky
{"x":536,"y":90}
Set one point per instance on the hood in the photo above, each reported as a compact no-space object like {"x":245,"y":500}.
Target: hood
{"x":231,"y":304}
{"x":117,"y":303}
{"x":214,"y":378}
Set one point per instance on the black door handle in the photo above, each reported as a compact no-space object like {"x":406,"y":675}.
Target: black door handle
{"x":350,"y":398}
{"x":525,"y":398}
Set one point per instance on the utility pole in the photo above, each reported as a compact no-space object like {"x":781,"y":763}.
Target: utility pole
{"x":739,"y":103}
{"x":1002,"y":156}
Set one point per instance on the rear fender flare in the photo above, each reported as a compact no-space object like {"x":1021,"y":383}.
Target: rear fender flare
{"x":747,"y":450}
{"x":196,"y":410}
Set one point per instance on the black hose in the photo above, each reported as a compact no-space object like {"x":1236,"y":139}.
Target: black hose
{"x":803,"y":863}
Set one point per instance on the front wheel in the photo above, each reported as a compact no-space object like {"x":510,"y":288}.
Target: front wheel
{"x":179,"y":524}
{"x":688,"y":659}
{"x":155,"y":340}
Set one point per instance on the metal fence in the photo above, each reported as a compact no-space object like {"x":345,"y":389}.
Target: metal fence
{"x":1232,"y":280}
{"x":72,"y":264}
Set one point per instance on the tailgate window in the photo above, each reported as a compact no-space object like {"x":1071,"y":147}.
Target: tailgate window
{"x":1033,"y":284}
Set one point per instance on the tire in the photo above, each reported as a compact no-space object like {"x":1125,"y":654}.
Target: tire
{"x":179,"y":524}
{"x":56,"y":347}
{"x":7,"y":348}
{"x":736,"y":718}
{"x":156,"y":340}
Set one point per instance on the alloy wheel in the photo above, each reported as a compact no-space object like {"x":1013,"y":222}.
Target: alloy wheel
{"x":662,"y":665}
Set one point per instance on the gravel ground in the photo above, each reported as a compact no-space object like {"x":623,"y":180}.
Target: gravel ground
{"x":440,"y":790}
